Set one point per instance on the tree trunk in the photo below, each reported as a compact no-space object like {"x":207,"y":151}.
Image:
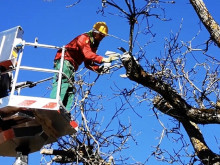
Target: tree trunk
{"x":202,"y":150}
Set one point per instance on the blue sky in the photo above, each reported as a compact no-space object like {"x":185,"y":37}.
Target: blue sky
{"x":54,"y":24}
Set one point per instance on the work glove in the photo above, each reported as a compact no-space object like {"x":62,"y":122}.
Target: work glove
{"x":104,"y":68}
{"x":109,"y":59}
{"x":111,"y":56}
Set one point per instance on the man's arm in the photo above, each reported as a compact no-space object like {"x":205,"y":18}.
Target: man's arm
{"x":89,"y":55}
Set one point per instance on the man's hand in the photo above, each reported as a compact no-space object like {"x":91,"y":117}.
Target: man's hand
{"x":109,"y":59}
{"x":104,"y":68}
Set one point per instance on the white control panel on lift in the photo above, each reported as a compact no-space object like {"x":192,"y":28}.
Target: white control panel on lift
{"x":8,"y":41}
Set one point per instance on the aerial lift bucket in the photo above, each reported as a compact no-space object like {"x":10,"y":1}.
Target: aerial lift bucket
{"x":27,"y":123}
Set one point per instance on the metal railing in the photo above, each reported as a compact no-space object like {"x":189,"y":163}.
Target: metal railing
{"x":19,"y":67}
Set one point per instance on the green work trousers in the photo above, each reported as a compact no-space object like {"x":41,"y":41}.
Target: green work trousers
{"x":67,"y":90}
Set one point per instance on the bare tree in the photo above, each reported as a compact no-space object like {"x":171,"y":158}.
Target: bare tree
{"x":173,"y":88}
{"x":170,"y":71}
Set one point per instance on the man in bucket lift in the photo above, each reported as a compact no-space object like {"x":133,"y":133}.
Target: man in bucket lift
{"x":81,"y":49}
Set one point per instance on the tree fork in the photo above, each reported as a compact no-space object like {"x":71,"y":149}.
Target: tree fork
{"x":136,"y":73}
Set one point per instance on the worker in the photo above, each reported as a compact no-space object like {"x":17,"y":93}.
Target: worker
{"x":81,"y":49}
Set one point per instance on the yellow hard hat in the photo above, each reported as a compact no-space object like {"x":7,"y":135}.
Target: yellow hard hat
{"x":101,"y":27}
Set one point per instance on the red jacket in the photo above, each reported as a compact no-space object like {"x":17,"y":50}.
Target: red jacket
{"x":79,"y":50}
